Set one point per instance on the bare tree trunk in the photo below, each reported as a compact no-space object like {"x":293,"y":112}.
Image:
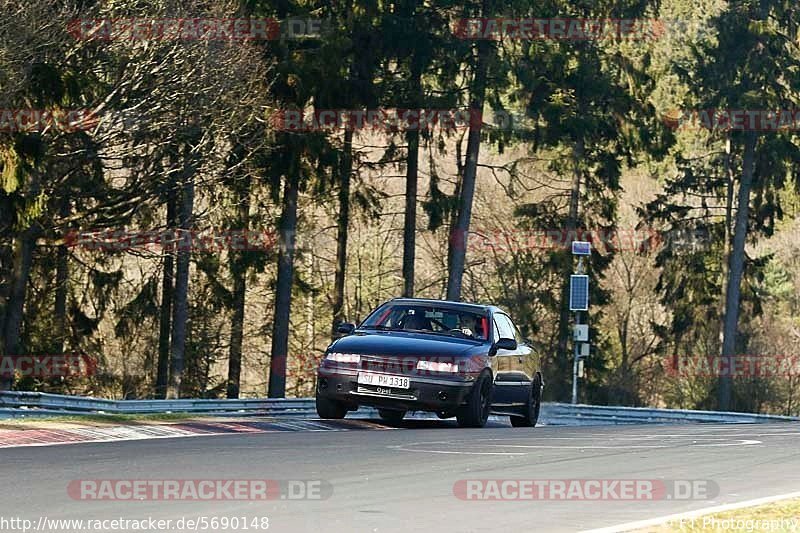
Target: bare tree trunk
{"x":283,"y":287}
{"x":729,"y":192}
{"x":23,"y":258}
{"x":626,"y":394}
{"x":736,"y":267}
{"x":167,"y":280}
{"x":239,"y":273}
{"x":460,"y":232}
{"x":455,"y":238}
{"x":342,"y":220}
{"x":412,"y":170}
{"x":6,"y":253}
{"x":62,"y":288}
{"x":180,"y":309}
{"x":6,"y":272}
{"x":562,"y":355}
{"x":410,"y":220}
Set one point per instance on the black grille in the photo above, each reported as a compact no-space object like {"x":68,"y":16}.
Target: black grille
{"x":390,"y":365}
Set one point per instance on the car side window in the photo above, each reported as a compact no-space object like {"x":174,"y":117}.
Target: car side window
{"x":520,"y":338}
{"x":504,"y":326}
{"x":517,"y":333}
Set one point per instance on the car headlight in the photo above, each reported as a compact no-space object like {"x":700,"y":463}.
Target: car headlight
{"x":353,"y":358}
{"x":434,"y":366}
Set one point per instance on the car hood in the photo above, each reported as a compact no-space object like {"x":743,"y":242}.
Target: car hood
{"x":403,"y":343}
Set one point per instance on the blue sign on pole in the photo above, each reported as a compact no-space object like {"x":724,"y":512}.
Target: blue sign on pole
{"x":581,"y":248}
{"x":579,"y":292}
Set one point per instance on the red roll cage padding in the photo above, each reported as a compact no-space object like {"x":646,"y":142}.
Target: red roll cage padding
{"x":384,"y":315}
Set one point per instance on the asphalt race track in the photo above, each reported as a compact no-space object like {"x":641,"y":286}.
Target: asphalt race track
{"x":403,"y":479}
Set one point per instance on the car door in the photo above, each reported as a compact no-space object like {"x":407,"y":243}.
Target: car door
{"x":529,"y":359}
{"x":511,"y":380}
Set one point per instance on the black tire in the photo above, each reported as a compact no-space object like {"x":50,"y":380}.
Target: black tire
{"x":476,"y":412}
{"x":330,"y":409}
{"x":533,"y":408}
{"x":391,"y":416}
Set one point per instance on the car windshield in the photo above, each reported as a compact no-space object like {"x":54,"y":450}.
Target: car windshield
{"x":429,"y":319}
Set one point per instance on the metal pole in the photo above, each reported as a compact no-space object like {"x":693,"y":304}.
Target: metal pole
{"x":575,"y":344}
{"x":575,"y":362}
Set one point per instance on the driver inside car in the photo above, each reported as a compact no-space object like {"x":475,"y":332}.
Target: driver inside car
{"x":417,"y":322}
{"x":469,"y":325}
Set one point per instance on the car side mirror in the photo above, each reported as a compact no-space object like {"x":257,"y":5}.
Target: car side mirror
{"x":346,"y":327}
{"x":506,"y":344}
{"x":503,"y":344}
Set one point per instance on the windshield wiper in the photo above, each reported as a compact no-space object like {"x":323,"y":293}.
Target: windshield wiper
{"x":379,"y":327}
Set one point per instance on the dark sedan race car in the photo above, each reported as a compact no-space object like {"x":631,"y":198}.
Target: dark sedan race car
{"x":451,"y":358}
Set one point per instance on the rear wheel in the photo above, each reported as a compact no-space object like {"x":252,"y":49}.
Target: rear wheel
{"x":476,"y":412}
{"x":391,"y":416}
{"x":331,"y":409}
{"x":533,"y":407}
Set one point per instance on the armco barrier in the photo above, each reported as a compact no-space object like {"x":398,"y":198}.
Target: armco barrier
{"x":628,"y":415}
{"x":23,"y":404}
{"x":31,"y":402}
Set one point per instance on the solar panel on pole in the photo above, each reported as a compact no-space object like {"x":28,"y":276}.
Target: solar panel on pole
{"x":579,"y":292}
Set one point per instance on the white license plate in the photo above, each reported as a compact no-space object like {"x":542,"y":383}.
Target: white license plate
{"x":384,"y":380}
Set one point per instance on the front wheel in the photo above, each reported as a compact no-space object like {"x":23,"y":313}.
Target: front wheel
{"x":476,"y":412}
{"x":330,"y":409}
{"x":533,"y":407}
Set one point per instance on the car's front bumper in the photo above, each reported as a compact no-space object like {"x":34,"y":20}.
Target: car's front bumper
{"x":425,"y":393}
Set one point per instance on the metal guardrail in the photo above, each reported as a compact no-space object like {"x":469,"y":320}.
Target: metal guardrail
{"x":32,"y":402}
{"x":16,"y":404}
{"x":639,"y":415}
